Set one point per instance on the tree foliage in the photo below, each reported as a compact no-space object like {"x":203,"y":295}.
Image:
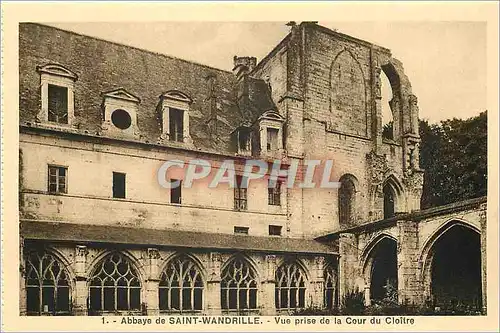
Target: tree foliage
{"x":453,"y":154}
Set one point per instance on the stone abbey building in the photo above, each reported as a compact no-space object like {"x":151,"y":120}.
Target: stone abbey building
{"x":99,"y":235}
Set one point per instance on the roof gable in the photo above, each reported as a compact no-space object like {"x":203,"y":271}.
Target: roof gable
{"x":121,"y":93}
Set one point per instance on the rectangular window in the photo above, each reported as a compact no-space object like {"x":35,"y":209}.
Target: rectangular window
{"x":275,"y":230}
{"x":240,"y":195}
{"x":241,"y":230}
{"x":118,"y":185}
{"x":57,"y":179}
{"x":58,"y":104}
{"x":272,"y":139}
{"x":175,"y":192}
{"x":176,"y":119}
{"x":274,"y":195}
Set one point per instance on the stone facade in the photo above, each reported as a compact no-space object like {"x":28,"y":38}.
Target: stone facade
{"x":129,"y":110}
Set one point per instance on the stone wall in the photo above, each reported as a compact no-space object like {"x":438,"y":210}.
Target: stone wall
{"x":147,"y":204}
{"x":332,"y":107}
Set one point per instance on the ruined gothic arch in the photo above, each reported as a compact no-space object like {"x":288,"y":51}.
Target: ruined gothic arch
{"x":379,"y":265}
{"x":395,"y":103}
{"x":428,"y":253}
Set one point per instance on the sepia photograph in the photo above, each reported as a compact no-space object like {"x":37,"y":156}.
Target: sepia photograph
{"x":228,"y":172}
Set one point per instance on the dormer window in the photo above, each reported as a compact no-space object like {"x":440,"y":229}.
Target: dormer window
{"x":242,"y":140}
{"x":120,"y":113}
{"x":57,"y":92}
{"x":174,"y":112}
{"x":270,"y":125}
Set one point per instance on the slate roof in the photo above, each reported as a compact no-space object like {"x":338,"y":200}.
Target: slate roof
{"x":63,"y":232}
{"x":103,"y":66}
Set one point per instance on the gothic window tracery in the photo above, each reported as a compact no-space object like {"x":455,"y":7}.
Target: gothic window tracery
{"x":115,"y":286}
{"x":48,"y":288}
{"x":181,"y":286}
{"x":238,"y":286}
{"x":330,"y":288}
{"x":290,"y":291}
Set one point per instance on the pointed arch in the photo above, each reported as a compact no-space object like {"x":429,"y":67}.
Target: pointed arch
{"x":189,"y":256}
{"x":372,"y":244}
{"x":239,"y":285}
{"x":379,"y":260}
{"x":243,"y":256}
{"x":348,"y":94}
{"x":447,"y":225}
{"x":347,"y":195}
{"x":457,"y":243}
{"x":296,"y":260}
{"x":182,"y":285}
{"x":49,"y":283}
{"x":133,"y":260}
{"x":114,"y":285}
{"x":393,"y":196}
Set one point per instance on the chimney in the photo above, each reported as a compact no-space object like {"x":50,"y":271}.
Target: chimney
{"x":243,"y":66}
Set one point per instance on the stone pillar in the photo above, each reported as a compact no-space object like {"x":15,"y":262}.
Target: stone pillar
{"x":152,"y":283}
{"x":22,"y":278}
{"x":376,"y":104}
{"x":81,"y":289}
{"x":318,"y":283}
{"x":368,"y":299}
{"x":349,"y":275}
{"x":409,"y":284}
{"x":414,"y":122}
{"x":212,"y":295}
{"x":267,"y":299}
{"x":484,"y":290}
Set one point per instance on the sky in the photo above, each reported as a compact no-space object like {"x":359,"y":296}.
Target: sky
{"x":445,"y":61}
